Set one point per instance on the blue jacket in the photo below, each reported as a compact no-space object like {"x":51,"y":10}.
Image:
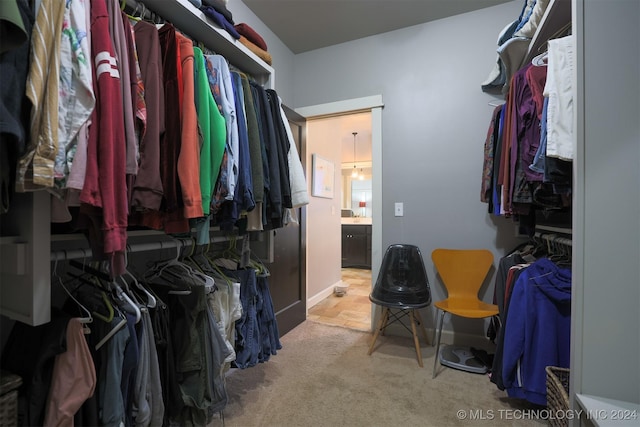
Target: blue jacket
{"x":537,"y":330}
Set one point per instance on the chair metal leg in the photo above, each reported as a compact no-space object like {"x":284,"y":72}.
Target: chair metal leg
{"x":415,"y":336}
{"x":424,"y":330}
{"x":437,"y":355}
{"x":435,"y":330}
{"x":381,"y":325}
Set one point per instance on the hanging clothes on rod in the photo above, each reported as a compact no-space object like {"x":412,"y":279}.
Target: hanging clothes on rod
{"x":533,"y":294}
{"x":256,"y":329}
{"x":537,"y":331}
{"x":116,"y":182}
{"x":111,"y":196}
{"x":527,"y":162}
{"x":195,"y":351}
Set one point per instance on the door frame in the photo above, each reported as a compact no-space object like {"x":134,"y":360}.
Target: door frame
{"x":374,"y":105}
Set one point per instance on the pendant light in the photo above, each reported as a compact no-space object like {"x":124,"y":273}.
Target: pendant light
{"x":354,"y":174}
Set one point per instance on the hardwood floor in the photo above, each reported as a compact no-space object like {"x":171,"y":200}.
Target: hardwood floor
{"x":352,"y":310}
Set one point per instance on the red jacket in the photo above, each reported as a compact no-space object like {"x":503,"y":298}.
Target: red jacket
{"x":105,"y":180}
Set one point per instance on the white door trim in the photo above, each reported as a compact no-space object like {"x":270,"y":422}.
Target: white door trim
{"x":341,"y":107}
{"x":374,"y":104}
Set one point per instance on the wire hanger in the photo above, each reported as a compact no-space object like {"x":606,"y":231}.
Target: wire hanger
{"x":232,"y":250}
{"x":95,"y":282}
{"x":163,"y":268}
{"x":113,"y":331}
{"x":216,"y":272}
{"x":133,"y":16}
{"x":119,"y":293}
{"x":540,"y":60}
{"x":138,"y":13}
{"x":88,"y":269}
{"x":561,"y":32}
{"x":151,"y":300}
{"x":110,"y":311}
{"x":83,"y":320}
{"x":125,"y":298}
{"x":227,"y":257}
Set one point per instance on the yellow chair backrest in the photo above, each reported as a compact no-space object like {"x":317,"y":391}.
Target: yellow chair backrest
{"x":462,"y":270}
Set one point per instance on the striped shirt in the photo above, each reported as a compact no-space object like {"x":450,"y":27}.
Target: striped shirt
{"x":35,"y":167}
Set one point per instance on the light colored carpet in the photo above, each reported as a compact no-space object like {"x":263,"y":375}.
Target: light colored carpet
{"x":323,"y":377}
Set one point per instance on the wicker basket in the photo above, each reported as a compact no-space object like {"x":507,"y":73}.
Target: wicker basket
{"x":557,"y":394}
{"x":9,"y":384}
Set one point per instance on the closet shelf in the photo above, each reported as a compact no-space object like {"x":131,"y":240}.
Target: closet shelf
{"x":606,"y":412}
{"x":193,"y":22}
{"x":556,"y":16}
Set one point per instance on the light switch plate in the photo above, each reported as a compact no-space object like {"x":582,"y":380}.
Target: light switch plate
{"x":399,"y":209}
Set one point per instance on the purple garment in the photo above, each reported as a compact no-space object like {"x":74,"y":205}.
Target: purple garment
{"x":537,"y":78}
{"x":222,"y":22}
{"x":527,"y":124}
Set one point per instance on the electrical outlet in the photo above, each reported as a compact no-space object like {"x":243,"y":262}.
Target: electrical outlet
{"x":399,"y":209}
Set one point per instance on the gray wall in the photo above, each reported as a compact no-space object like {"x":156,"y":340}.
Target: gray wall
{"x":434,"y":123}
{"x":281,"y":55}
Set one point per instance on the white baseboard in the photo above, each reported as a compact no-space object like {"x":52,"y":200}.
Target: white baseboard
{"x":447,"y":338}
{"x":317,"y":298}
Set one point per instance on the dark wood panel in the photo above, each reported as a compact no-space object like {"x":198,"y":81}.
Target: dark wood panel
{"x":287,"y":281}
{"x":356,"y":246}
{"x":289,"y":301}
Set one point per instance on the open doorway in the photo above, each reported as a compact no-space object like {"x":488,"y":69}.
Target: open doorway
{"x":324,"y":267}
{"x":351,"y":134}
{"x":353,"y":309}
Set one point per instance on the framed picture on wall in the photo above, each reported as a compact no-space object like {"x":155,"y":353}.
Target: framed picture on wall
{"x":322,"y":177}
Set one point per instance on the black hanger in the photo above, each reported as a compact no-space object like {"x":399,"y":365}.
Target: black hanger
{"x":99,"y":274}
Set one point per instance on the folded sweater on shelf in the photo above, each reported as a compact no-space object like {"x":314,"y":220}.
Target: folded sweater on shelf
{"x":262,"y":54}
{"x":221,"y":7}
{"x":245,"y":30}
{"x":220,"y":20}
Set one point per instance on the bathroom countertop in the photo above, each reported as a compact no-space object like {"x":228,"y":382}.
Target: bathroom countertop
{"x":356,"y":221}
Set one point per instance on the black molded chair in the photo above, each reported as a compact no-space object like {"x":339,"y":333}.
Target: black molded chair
{"x":402,"y":288}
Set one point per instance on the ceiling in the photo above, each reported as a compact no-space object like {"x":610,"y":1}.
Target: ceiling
{"x":305,"y":25}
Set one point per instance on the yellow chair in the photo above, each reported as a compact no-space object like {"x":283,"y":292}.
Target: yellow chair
{"x":462,"y":272}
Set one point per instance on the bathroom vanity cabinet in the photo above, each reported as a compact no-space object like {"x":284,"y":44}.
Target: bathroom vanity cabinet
{"x":356,"y":245}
